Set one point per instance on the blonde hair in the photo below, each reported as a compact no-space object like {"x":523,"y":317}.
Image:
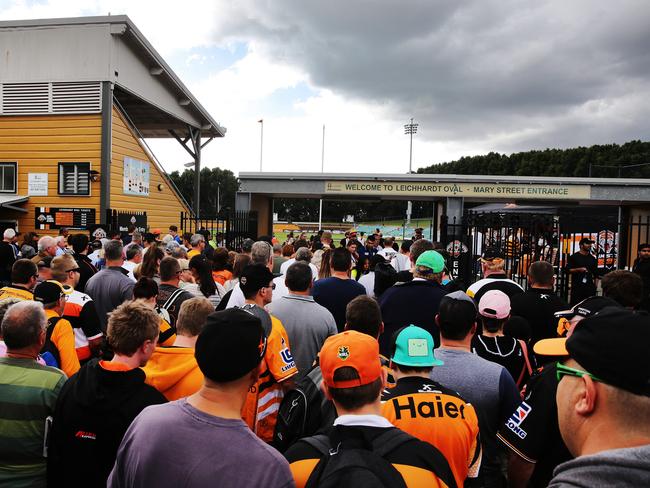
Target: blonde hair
{"x":61,"y":265}
{"x":130,"y":325}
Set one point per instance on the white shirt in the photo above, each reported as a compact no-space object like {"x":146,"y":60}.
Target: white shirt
{"x":368,"y":282}
{"x":388,"y":253}
{"x":130,"y":266}
{"x":401,"y":262}
{"x":363,"y":421}
{"x":237,"y":298}
{"x":281,"y":289}
{"x":285,"y":266}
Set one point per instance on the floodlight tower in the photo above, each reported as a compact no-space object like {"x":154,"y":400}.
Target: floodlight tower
{"x":410,"y":129}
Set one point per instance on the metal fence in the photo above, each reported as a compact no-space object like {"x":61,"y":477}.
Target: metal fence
{"x":552,"y":237}
{"x":229,"y":229}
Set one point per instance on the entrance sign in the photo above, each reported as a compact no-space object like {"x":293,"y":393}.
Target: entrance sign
{"x":483,"y":190}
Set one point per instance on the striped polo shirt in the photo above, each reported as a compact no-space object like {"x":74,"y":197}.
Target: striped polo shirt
{"x":28,"y":393}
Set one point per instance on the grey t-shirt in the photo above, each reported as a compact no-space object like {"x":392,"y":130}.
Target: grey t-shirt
{"x":307,"y":323}
{"x":616,"y":467}
{"x":486,"y":385}
{"x":177,"y":445}
{"x":109,"y":289}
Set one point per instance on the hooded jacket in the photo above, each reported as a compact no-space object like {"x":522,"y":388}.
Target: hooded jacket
{"x":616,"y":467}
{"x":173,"y":372}
{"x":93,"y":411}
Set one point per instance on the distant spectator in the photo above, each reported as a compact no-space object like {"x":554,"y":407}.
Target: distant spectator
{"x":415,"y":302}
{"x":111,"y":286}
{"x":170,"y":295}
{"x":79,"y":243}
{"x":307,"y":323}
{"x":539,"y":303}
{"x":335,"y":292}
{"x":624,"y":287}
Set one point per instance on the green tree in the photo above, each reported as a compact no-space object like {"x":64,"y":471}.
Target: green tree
{"x":214,"y":181}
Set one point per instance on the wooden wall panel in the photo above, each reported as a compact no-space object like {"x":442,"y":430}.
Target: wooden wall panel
{"x":163,"y":207}
{"x":37,"y":144}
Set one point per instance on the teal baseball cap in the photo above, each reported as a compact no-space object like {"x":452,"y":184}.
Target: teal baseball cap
{"x":432,"y":260}
{"x":414,"y":347}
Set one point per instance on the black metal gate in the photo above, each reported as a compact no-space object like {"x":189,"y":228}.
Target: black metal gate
{"x":525,"y":238}
{"x":228,"y":229}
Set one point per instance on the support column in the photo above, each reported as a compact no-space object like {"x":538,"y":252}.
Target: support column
{"x":105,"y":151}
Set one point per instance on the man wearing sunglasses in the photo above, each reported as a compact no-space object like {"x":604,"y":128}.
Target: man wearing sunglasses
{"x":603,"y":400}
{"x":531,"y":433}
{"x":278,"y":367}
{"x":79,"y":308}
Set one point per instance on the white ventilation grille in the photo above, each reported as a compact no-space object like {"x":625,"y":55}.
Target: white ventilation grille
{"x":50,"y":98}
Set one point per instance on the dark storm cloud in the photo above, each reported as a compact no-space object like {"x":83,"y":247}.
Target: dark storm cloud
{"x":509,"y":75}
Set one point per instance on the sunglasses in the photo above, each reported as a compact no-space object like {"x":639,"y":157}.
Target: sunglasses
{"x":76,"y":270}
{"x":563,"y":370}
{"x":272,"y":286}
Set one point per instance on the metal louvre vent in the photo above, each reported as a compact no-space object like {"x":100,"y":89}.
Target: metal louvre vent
{"x":25,"y":98}
{"x":50,"y":98}
{"x":74,"y":178}
{"x":78,"y":98}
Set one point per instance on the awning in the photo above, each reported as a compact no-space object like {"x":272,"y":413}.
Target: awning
{"x":8,"y":202}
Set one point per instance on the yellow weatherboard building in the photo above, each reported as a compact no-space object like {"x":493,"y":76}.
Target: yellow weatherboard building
{"x":78,"y":99}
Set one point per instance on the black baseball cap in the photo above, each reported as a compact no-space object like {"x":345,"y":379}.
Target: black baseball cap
{"x":254,"y":277}
{"x":587,"y":307}
{"x":50,"y":291}
{"x":492,"y":253}
{"x":231,"y":344}
{"x":614,"y":346}
{"x":585,"y":240}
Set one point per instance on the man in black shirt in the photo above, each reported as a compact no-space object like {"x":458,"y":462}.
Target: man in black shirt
{"x":532,"y":432}
{"x":539,"y":304}
{"x":583,"y":268}
{"x":642,"y":268}
{"x":8,"y":256}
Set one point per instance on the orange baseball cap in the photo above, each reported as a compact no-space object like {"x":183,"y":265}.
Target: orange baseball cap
{"x":354,"y":350}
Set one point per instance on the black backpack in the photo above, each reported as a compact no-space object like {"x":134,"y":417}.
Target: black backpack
{"x":357,"y":467}
{"x":50,"y":353}
{"x":303,"y":412}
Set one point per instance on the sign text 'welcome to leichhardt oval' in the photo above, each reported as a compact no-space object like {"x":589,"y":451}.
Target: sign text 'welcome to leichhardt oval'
{"x":485,"y":190}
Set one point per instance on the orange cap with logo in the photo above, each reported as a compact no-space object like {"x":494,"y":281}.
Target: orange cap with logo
{"x":354,"y":350}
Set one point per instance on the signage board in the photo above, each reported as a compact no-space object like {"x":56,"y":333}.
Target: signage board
{"x":473,"y":190}
{"x":72,"y":218}
{"x":37,"y":184}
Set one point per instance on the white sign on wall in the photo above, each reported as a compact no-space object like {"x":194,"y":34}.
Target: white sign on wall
{"x":37,"y":184}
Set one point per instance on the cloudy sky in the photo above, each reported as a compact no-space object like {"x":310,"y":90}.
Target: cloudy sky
{"x":478,"y":76}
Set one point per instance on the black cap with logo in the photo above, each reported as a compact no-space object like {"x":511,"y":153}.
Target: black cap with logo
{"x":614,"y":346}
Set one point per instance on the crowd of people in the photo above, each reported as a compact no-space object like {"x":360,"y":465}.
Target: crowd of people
{"x":145,"y":359}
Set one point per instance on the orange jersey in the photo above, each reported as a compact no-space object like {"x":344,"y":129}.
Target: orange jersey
{"x":63,"y":339}
{"x":264,"y":397}
{"x":439,"y":416}
{"x":222,"y":276}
